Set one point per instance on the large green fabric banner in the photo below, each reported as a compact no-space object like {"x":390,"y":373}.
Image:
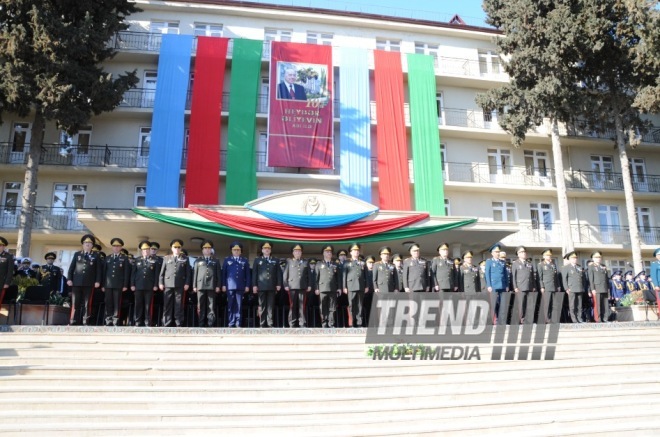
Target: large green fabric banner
{"x":214,"y":228}
{"x":427,"y":164}
{"x":241,"y":182}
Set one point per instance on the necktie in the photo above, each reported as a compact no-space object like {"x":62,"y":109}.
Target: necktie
{"x":327,"y":263}
{"x":291,"y":93}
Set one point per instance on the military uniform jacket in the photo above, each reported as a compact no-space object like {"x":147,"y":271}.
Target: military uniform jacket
{"x":266,"y":273}
{"x":617,"y":290}
{"x":572,"y":278}
{"x":655,"y":273}
{"x":482,"y":281}
{"x":85,"y":269}
{"x":548,"y":277}
{"x":415,"y":274}
{"x":236,"y":273}
{"x":296,"y":274}
{"x":206,"y":274}
{"x":145,"y":273}
{"x":598,"y":278}
{"x":497,"y":274}
{"x":468,"y":279}
{"x":399,"y":278}
{"x":385,"y":277}
{"x":176,"y":272}
{"x":6,"y":268}
{"x":52,"y":277}
{"x":631,"y":286}
{"x":355,"y":275}
{"x":644,"y":285}
{"x":523,"y":277}
{"x":328,"y":277}
{"x":117,"y":272}
{"x":443,"y":273}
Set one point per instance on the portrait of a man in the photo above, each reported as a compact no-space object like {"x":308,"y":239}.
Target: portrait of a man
{"x":288,"y":89}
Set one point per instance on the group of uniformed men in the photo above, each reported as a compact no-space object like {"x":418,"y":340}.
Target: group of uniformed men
{"x":351,"y":278}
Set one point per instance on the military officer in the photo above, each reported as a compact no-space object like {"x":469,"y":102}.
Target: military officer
{"x":599,"y":288}
{"x":174,"y":280}
{"x":630,"y":284}
{"x":482,"y":276}
{"x":116,"y":280}
{"x":267,"y":281}
{"x":523,"y":281}
{"x":655,"y":276}
{"x":497,"y":280}
{"x":51,"y":277}
{"x":442,"y":270}
{"x":369,"y":293}
{"x":384,"y":273}
{"x":342,"y":300}
{"x":206,"y":283}
{"x":235,"y":282}
{"x":355,"y":285}
{"x":144,"y":282}
{"x":296,"y":281}
{"x":617,"y":287}
{"x":327,"y":286}
{"x":6,"y":268}
{"x":572,"y":277}
{"x":415,"y":271}
{"x":398,"y":266}
{"x":468,"y":275}
{"x":85,"y":274}
{"x":551,"y":291}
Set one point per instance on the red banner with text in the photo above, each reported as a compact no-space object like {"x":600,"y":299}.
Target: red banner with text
{"x":300,"y":124}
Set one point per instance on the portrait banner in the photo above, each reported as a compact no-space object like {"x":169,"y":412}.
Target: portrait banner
{"x":300,"y":116}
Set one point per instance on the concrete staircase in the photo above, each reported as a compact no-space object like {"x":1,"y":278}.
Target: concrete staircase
{"x":65,"y":381}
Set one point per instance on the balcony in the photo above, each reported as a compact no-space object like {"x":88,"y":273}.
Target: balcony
{"x":550,"y":234}
{"x":580,"y":130}
{"x":483,"y":173}
{"x":609,"y":181}
{"x":467,"y":68}
{"x":78,"y":156}
{"x":51,"y":218}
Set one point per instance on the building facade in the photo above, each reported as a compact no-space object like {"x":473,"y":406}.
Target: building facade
{"x":107,"y":164}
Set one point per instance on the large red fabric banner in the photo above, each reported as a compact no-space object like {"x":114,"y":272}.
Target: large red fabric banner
{"x":273,"y":229}
{"x":300,"y":124}
{"x":203,"y":166}
{"x":393,"y":178}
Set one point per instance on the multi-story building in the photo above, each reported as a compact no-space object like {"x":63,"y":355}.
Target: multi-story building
{"x":105,"y":166}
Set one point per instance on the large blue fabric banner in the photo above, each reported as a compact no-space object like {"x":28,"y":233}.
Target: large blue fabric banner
{"x":167,"y":130}
{"x":355,"y":127}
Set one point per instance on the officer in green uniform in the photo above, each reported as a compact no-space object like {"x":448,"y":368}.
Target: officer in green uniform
{"x":206,"y":283}
{"x":6,"y":268}
{"x":343,"y":315}
{"x":442,"y":270}
{"x":144,"y":283}
{"x":551,"y":291}
{"x":482,"y":276}
{"x":397,"y":260}
{"x":468,"y":275}
{"x":416,"y":271}
{"x":327,"y":286}
{"x":572,"y":278}
{"x":295,"y":279}
{"x":116,"y":280}
{"x":355,"y":285}
{"x":384,"y":273}
{"x":599,"y":287}
{"x":174,"y":280}
{"x":85,"y":274}
{"x":267,"y":281}
{"x":523,"y":282}
{"x":369,"y":292}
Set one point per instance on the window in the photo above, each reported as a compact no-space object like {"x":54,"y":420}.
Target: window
{"x":82,"y":139}
{"x":389,"y":45}
{"x":423,"y":48}
{"x":149,"y":82}
{"x":144,"y":144}
{"x":644,"y":224}
{"x":440,"y":106}
{"x":66,"y":196}
{"x":443,"y":160}
{"x":283,"y":35}
{"x":11,"y":201}
{"x":164,"y":27}
{"x":610,"y":226}
{"x":489,"y":63}
{"x":638,"y":173}
{"x":618,"y":264}
{"x":324,"y":39}
{"x":447,"y":207}
{"x":140,"y":196}
{"x":504,"y":212}
{"x":263,"y":94}
{"x":536,"y":163}
{"x":205,"y":29}
{"x":20,"y":142}
{"x":499,"y":161}
{"x":541,"y":215}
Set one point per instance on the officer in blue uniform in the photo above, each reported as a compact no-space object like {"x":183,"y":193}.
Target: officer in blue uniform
{"x":206,"y":283}
{"x":235,"y":282}
{"x":617,"y":288}
{"x":85,"y":274}
{"x":174,"y":280}
{"x":51,"y":276}
{"x":116,"y":280}
{"x":655,"y":275}
{"x":266,"y":281}
{"x":497,"y":280}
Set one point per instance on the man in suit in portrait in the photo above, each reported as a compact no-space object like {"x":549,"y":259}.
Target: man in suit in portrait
{"x":288,"y":89}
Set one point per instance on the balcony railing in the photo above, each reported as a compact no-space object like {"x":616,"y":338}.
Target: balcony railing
{"x":550,"y":234}
{"x":78,"y":156}
{"x":482,"y":173}
{"x":468,"y":68}
{"x":61,"y":219}
{"x":610,"y":181}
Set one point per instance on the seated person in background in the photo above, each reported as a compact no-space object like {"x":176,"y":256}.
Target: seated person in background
{"x":646,"y":286}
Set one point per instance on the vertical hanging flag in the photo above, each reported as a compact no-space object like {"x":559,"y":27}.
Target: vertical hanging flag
{"x":203,"y":169}
{"x":300,"y":116}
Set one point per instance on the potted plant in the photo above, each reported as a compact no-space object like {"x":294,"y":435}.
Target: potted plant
{"x":633,"y":308}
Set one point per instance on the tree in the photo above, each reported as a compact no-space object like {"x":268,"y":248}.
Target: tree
{"x":620,"y":63}
{"x":539,"y":47}
{"x":50,"y":56}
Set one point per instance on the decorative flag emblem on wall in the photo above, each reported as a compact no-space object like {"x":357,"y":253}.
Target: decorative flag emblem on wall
{"x":300,"y":122}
